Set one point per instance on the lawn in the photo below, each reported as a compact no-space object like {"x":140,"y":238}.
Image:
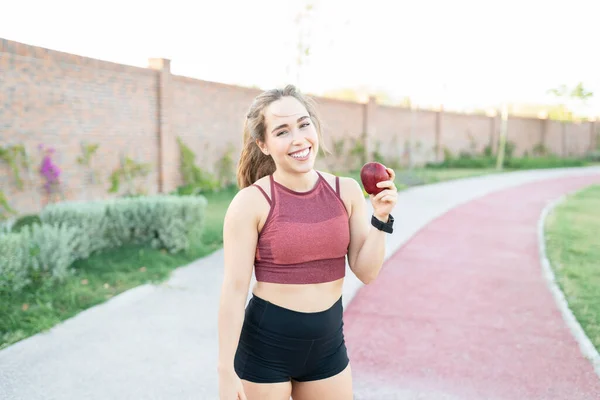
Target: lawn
{"x":105,"y":275}
{"x":571,"y":232}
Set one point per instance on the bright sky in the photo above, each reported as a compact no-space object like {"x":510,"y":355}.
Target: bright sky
{"x":457,"y":52}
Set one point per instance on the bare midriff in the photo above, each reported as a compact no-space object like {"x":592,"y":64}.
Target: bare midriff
{"x":312,"y":297}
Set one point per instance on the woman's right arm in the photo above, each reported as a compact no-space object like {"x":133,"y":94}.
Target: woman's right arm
{"x":239,"y":244}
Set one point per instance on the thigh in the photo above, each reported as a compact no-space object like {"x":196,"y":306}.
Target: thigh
{"x":338,"y":387}
{"x":267,"y":391}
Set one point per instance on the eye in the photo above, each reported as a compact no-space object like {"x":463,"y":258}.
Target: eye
{"x":280,"y":133}
{"x":305,"y":125}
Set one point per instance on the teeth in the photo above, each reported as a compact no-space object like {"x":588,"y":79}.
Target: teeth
{"x":302,"y":154}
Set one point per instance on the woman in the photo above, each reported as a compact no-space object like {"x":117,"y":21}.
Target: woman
{"x":295,"y":226}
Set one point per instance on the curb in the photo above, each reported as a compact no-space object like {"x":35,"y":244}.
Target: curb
{"x":585,"y":345}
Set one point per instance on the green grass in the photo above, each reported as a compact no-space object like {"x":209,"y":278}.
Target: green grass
{"x":215,"y":213}
{"x":573,"y":249}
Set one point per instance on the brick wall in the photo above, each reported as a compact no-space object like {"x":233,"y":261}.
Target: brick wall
{"x":66,"y":101}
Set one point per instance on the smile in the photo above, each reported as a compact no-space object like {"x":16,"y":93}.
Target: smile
{"x":301,"y":154}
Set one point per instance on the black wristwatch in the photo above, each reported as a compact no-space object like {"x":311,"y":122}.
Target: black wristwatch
{"x":383,"y":226}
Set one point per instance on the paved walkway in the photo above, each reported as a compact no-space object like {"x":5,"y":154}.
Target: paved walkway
{"x":463,"y":311}
{"x":160,"y":342}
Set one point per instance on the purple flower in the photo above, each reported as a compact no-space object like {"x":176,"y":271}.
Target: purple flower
{"x":48,"y":169}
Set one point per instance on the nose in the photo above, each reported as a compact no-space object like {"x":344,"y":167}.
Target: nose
{"x":298,"y":137}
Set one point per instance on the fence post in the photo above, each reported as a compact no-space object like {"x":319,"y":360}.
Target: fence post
{"x":593,"y":135}
{"x":369,"y":126}
{"x":438,"y":135}
{"x":492,"y":115}
{"x":544,"y":133}
{"x":165,"y":139}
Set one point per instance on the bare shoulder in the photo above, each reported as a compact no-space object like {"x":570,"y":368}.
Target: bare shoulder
{"x":264,"y":183}
{"x":248,"y":205}
{"x":351,"y":188}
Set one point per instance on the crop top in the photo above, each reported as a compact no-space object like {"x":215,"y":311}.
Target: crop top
{"x":305,"y":237}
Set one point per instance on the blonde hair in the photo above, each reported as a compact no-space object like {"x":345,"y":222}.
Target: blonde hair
{"x":253,"y":163}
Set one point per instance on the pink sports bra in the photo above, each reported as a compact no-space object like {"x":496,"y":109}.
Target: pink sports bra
{"x":306,"y":235}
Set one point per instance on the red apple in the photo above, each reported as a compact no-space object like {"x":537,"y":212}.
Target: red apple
{"x":371,"y":174}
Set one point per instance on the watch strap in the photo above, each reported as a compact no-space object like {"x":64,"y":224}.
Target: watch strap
{"x":383,"y":226}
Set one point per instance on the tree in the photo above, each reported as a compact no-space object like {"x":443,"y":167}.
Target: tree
{"x":567,"y":98}
{"x":302,"y":54}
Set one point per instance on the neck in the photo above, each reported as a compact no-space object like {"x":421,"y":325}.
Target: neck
{"x":299,"y":182}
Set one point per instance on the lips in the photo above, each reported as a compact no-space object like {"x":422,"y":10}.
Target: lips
{"x":300,"y":154}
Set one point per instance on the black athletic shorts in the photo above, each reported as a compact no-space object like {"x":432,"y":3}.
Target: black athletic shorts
{"x":278,"y":344}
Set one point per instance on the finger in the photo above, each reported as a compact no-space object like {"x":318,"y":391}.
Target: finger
{"x":386,"y":196}
{"x":385,"y":192}
{"x":382,"y":194}
{"x":392,"y":173}
{"x":386,"y":184}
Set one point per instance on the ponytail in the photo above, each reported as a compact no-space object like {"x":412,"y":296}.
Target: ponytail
{"x":253,"y":164}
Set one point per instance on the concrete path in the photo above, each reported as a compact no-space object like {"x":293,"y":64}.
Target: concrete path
{"x":160,"y":342}
{"x":463,"y":310}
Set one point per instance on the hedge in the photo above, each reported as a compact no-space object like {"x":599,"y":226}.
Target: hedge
{"x":68,"y":231}
{"x":510,"y":163}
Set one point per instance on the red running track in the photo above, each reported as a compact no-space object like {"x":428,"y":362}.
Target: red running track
{"x":463,"y":308}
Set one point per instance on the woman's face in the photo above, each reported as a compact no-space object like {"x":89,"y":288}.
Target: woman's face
{"x":291,"y":137}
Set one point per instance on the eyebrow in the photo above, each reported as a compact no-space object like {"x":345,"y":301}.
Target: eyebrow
{"x":285,"y":125}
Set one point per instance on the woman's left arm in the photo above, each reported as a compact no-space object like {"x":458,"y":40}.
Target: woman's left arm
{"x":367,"y":243}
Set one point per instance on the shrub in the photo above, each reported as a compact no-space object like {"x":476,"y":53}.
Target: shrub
{"x":36,"y":254}
{"x":89,"y":218}
{"x":465,"y":162}
{"x":193,"y":175}
{"x":52,"y":251}
{"x":511,"y":163}
{"x":168,"y":222}
{"x":14,"y":262}
{"x":161,"y":221}
{"x":24,"y":221}
{"x":543,"y":162}
{"x":6,"y":226}
{"x":43,"y":253}
{"x":594,"y":156}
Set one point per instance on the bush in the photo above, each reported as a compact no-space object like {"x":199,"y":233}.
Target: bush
{"x":52,"y":251}
{"x":594,"y":156}
{"x":89,"y":218}
{"x":465,"y":162}
{"x":43,"y":253}
{"x":162,"y":221}
{"x":24,"y":221}
{"x":169,"y":222}
{"x":14,"y":262}
{"x":510,"y":163}
{"x":6,"y":226}
{"x":543,"y":162}
{"x":36,"y":254}
{"x":187,"y":190}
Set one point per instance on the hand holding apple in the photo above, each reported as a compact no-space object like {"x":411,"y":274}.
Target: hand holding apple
{"x":378,"y":182}
{"x":371,"y":174}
